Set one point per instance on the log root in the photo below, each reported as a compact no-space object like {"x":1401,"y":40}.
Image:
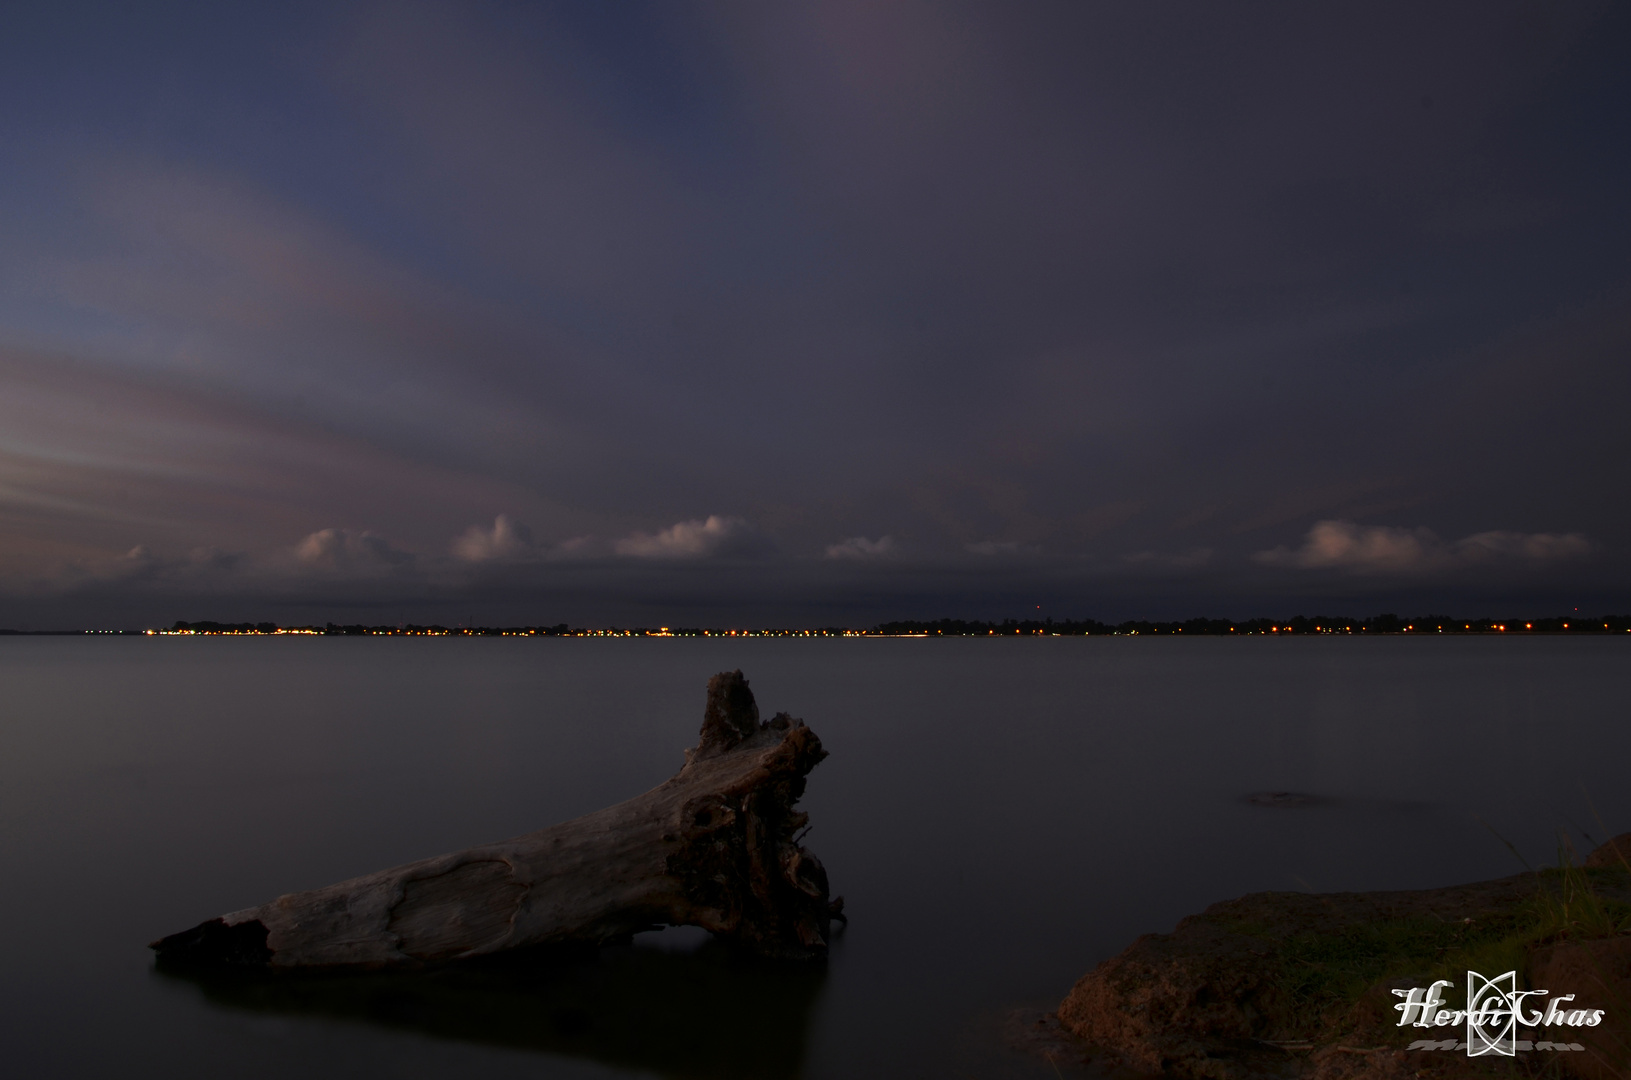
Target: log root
{"x":714,"y":846}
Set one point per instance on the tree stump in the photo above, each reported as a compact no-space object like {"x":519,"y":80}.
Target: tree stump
{"x":714,"y":846}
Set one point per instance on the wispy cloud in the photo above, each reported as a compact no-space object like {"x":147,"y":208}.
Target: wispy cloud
{"x":1345,"y":545}
{"x":599,"y":281}
{"x":859,"y":547}
{"x":690,"y":540}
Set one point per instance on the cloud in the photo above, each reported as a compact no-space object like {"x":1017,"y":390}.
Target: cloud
{"x":996,"y":547}
{"x":138,"y":568}
{"x":1184,"y":560}
{"x":505,"y":541}
{"x":137,"y":565}
{"x":1539,"y":547}
{"x":1387,"y":549}
{"x":1344,"y":544}
{"x":576,"y":547}
{"x":859,"y":547}
{"x":342,"y":549}
{"x":690,"y":540}
{"x":1112,"y":351}
{"x":213,"y":558}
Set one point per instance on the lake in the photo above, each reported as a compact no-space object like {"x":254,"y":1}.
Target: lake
{"x":1000,"y":815}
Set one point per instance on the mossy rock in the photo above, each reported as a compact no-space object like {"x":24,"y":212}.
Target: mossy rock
{"x":1298,"y":984}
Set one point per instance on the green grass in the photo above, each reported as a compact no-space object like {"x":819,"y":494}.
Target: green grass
{"x":1322,"y":974}
{"x":1570,"y":907}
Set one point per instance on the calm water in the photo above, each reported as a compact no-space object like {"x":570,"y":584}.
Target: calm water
{"x":1000,"y":815}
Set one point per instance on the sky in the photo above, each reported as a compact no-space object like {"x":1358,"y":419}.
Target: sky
{"x":811,"y":314}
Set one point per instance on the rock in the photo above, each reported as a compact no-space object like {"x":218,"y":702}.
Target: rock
{"x":1228,"y":996}
{"x":1614,"y":853}
{"x":1598,"y":973}
{"x":1188,"y":1001}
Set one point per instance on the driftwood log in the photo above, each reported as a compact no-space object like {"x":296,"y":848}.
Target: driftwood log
{"x":714,"y":846}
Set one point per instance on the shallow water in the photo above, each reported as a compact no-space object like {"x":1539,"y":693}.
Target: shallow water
{"x":1000,"y":816}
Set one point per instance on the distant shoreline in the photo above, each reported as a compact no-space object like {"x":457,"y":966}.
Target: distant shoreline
{"x":1387,"y":624}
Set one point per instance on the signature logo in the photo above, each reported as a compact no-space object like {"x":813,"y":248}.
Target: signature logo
{"x":1495,"y":1010}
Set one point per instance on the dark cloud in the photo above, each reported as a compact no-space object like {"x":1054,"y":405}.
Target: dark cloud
{"x":846,"y":311}
{"x":347,"y":552}
{"x":860,"y":547}
{"x":1171,"y":560}
{"x":1384,"y":549}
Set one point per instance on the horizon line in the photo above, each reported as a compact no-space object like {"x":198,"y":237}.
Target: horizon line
{"x":1385,"y":623}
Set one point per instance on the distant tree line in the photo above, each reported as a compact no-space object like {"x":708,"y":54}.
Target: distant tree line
{"x":359,"y":630}
{"x":1388,"y":623}
{"x":437,"y":630}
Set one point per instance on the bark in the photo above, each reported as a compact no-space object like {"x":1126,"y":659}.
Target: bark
{"x":715,"y":846}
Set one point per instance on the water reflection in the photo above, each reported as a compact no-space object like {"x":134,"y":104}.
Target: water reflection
{"x":711,"y":1011}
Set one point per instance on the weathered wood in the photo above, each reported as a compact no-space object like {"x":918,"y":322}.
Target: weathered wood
{"x":714,"y":846}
